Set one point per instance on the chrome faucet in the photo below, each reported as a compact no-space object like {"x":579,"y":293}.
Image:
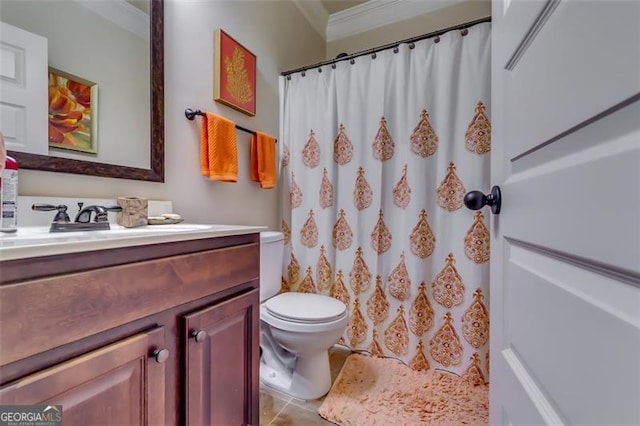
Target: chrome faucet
{"x":84,"y":214}
{"x":82,"y":222}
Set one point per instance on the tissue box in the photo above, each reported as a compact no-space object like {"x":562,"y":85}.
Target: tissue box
{"x":134,"y":212}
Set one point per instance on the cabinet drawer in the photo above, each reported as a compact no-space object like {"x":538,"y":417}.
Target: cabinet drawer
{"x":121,"y":383}
{"x":62,"y":309}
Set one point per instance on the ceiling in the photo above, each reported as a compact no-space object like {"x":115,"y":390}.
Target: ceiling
{"x":337,"y":19}
{"x":143,"y":5}
{"x":333,"y":6}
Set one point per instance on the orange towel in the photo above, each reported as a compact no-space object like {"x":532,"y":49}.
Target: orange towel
{"x":263,"y":160}
{"x":218,"y":148}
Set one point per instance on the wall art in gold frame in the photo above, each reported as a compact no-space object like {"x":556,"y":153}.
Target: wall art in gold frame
{"x":235,"y":74}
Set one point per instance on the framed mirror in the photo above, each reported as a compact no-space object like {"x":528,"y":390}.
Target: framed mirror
{"x":155,"y":172}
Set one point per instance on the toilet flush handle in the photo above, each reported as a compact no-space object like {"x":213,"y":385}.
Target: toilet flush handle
{"x":199,"y":335}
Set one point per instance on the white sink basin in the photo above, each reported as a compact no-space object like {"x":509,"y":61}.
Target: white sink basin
{"x":42,"y":232}
{"x":32,"y":241}
{"x":177,"y":227}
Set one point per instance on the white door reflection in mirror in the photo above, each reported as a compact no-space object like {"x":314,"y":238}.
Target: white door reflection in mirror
{"x":23,"y":90}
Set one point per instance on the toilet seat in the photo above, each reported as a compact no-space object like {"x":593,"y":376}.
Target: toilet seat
{"x":303,"y":312}
{"x":305,"y":308}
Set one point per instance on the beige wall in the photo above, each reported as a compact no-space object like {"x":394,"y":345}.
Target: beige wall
{"x":426,"y":23}
{"x":264,"y":27}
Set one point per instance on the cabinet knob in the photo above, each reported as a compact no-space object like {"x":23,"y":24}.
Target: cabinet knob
{"x":199,"y":335}
{"x":161,"y":355}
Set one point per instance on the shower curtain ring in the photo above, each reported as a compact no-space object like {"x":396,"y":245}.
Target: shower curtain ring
{"x":464,"y":32}
{"x":373,"y":54}
{"x":436,"y":39}
{"x":395,"y":49}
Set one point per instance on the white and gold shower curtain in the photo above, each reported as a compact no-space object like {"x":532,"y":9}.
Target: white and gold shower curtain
{"x":376,"y":158}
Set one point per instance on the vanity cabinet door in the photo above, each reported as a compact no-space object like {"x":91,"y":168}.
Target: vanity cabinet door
{"x":119,"y":384}
{"x":222,"y":362}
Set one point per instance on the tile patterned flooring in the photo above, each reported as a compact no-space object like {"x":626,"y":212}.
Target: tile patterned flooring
{"x":277,"y":409}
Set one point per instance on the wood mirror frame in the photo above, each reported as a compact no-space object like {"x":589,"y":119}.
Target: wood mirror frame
{"x":156,"y":172}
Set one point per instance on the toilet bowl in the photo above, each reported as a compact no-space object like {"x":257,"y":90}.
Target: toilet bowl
{"x":296,"y":329}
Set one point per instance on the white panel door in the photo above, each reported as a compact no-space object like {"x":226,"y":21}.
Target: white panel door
{"x":565,"y":267}
{"x":23,"y":90}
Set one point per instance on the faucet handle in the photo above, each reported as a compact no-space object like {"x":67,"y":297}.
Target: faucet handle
{"x":61,"y":216}
{"x":46,"y":207}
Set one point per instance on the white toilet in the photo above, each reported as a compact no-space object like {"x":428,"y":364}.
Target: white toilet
{"x":296,"y":329}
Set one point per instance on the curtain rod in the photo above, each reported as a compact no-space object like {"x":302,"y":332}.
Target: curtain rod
{"x":390,"y":45}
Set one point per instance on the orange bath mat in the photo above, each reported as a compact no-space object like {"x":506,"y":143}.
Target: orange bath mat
{"x":382,"y":391}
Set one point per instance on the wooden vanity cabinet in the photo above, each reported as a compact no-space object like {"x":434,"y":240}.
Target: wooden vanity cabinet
{"x":155,"y":335}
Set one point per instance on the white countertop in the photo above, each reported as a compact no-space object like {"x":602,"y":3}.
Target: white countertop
{"x":36,"y":241}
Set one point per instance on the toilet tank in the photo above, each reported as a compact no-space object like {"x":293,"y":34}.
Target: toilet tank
{"x":271,"y":252}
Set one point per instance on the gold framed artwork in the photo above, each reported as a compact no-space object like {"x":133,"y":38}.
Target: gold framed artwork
{"x":73,"y":112}
{"x":235,"y":74}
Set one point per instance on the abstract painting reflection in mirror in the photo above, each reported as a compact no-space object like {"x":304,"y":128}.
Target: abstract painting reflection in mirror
{"x":73,"y":112}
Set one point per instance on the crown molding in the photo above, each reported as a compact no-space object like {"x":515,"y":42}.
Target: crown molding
{"x":316,"y":14}
{"x":122,"y":14}
{"x":377,"y":13}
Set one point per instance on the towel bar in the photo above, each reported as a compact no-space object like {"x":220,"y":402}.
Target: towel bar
{"x":191,"y":114}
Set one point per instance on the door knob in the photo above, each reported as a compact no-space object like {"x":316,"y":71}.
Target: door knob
{"x":199,"y":335}
{"x":160,"y":355}
{"x":475,"y":200}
